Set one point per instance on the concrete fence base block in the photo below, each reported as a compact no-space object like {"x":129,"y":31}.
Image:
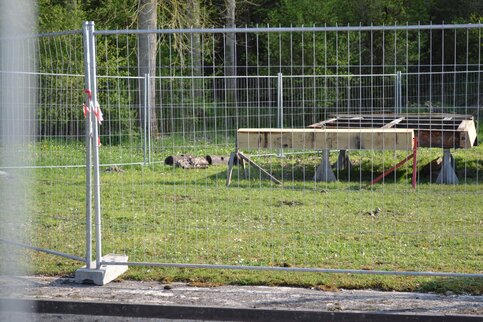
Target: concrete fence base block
{"x":103,"y":275}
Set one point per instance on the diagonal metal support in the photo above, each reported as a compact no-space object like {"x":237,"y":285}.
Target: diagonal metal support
{"x":262,"y":170}
{"x":241,"y":159}
{"x":413,"y":156}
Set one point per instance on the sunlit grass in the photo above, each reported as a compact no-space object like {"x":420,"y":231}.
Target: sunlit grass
{"x":157,"y":213}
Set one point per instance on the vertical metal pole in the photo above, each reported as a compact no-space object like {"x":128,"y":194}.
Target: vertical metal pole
{"x":95,"y":145}
{"x":279,"y":101}
{"x":399,"y":85}
{"x":148,"y":110}
{"x":280,"y":108}
{"x":88,"y":129}
{"x":145,"y":118}
{"x":398,"y":90}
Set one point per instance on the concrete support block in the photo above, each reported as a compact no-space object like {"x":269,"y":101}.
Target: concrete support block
{"x":343,"y":161}
{"x":103,"y":275}
{"x":447,"y":174}
{"x":324,"y":170}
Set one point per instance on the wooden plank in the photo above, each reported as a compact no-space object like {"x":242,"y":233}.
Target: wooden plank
{"x":332,"y":139}
{"x":467,"y":131}
{"x":392,"y":123}
{"x":438,"y":139}
{"x":464,"y":137}
{"x":402,"y":125}
{"x":414,"y":116}
{"x":322,"y":124}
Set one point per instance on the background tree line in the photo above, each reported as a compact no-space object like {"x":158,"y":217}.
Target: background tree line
{"x":153,"y":54}
{"x":57,"y":15}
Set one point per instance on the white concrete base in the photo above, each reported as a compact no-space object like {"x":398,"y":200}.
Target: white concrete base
{"x":103,"y":275}
{"x":324,"y":171}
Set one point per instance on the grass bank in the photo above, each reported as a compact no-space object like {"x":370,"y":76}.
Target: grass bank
{"x":157,"y":213}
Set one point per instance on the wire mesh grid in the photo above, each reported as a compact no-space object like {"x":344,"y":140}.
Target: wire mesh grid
{"x":50,"y":160}
{"x":170,"y":132}
{"x":182,"y":213}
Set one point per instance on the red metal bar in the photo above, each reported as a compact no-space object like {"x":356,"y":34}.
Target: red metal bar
{"x":409,"y":157}
{"x":415,"y":162}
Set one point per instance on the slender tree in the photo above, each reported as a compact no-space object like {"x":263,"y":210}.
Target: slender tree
{"x":230,"y":49}
{"x":147,"y":48}
{"x":194,"y":15}
{"x":230,"y":42}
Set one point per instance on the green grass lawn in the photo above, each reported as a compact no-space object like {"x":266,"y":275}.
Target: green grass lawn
{"x":157,"y":213}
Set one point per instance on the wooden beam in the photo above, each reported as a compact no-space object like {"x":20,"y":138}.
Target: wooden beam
{"x":319,"y":139}
{"x":322,"y":124}
{"x":393,"y":122}
{"x":467,"y":131}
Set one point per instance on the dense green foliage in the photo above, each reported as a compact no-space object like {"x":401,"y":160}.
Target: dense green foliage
{"x":56,"y":15}
{"x":257,"y":54}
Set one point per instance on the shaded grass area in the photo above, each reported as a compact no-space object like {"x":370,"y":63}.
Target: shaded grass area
{"x":157,"y":213}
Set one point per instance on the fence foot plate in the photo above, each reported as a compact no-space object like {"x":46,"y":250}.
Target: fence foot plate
{"x":103,"y":275}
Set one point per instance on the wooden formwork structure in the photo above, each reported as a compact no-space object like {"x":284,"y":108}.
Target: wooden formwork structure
{"x":364,"y":132}
{"x":447,"y":131}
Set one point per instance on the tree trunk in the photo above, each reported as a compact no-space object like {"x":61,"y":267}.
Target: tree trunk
{"x":230,"y":55}
{"x":194,"y":14}
{"x":147,"y":20}
{"x":230,"y":41}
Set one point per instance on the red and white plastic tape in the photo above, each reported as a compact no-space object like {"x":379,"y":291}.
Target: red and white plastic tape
{"x":96,"y":109}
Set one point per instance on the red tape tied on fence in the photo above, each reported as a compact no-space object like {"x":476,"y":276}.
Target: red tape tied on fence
{"x":95,"y":108}
{"x":86,"y":110}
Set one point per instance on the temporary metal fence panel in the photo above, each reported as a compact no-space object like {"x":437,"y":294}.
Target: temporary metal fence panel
{"x":165,"y":215}
{"x":51,"y":159}
{"x":198,"y":89}
{"x":203,"y":107}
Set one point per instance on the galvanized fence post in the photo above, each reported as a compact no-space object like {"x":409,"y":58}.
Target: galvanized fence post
{"x":280,"y":107}
{"x":95,"y":141}
{"x":100,"y":273}
{"x":280,"y":100}
{"x":398,"y":96}
{"x":88,"y":134}
{"x":145,"y":118}
{"x":148,"y":99}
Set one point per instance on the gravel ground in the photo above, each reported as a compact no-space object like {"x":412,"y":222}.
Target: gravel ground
{"x":262,"y":297}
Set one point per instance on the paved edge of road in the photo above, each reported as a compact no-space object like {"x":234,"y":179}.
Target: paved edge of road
{"x":217,"y":313}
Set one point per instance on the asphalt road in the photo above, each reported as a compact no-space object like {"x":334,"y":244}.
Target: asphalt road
{"x":153,"y":301}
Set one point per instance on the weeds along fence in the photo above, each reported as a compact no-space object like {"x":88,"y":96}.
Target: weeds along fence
{"x":191,"y":92}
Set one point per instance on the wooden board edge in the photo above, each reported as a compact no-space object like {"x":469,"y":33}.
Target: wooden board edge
{"x":468,"y":134}
{"x":320,"y":139}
